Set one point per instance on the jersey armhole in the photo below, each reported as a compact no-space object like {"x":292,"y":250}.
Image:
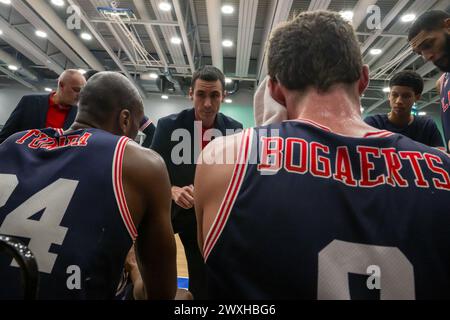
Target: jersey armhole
{"x":231,"y":193}
{"x":118,"y":187}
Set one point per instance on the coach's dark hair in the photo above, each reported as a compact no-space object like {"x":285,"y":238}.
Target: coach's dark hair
{"x":107,"y":92}
{"x":409,"y":79}
{"x":316,"y":49}
{"x":429,"y":21}
{"x":208,"y":73}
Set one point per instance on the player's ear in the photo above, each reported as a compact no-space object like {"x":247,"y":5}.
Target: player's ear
{"x":276,"y":91}
{"x":363,"y":79}
{"x":125,"y":121}
{"x":191,"y":93}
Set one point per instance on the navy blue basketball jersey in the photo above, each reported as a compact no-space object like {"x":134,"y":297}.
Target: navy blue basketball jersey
{"x":62,"y":195}
{"x":445,"y":112}
{"x":310,"y":214}
{"x":423,"y":129}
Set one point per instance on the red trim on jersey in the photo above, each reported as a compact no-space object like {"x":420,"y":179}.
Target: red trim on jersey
{"x":59,"y":131}
{"x":315,"y":124}
{"x":230,"y":195}
{"x":145,"y":124}
{"x":378,"y":134}
{"x":118,"y":187}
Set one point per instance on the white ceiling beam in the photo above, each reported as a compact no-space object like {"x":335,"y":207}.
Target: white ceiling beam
{"x":246,"y":28}
{"x":106,"y":46}
{"x":27,"y":48}
{"x":49,"y":15}
{"x":144,"y":22}
{"x":187,"y":46}
{"x":215,"y":31}
{"x":278,"y":12}
{"x":318,"y":5}
{"x":39,"y":24}
{"x":10,"y":60}
{"x":194,"y":22}
{"x":18,"y":79}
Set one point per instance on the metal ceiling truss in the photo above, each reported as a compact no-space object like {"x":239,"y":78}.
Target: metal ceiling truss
{"x":106,"y":46}
{"x":176,"y":51}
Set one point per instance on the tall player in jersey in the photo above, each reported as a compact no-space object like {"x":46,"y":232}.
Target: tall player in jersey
{"x":323,"y":205}
{"x":430,"y":37}
{"x":79,"y":199}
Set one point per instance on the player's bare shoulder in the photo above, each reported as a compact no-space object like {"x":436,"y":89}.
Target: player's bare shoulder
{"x":143,"y":163}
{"x":222,"y":150}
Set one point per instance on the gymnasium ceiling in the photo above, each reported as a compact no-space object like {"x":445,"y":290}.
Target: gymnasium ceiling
{"x":137,"y":39}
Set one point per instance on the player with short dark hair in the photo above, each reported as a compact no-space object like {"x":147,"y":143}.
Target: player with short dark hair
{"x":322,"y":206}
{"x":429,"y":37}
{"x":405,"y":89}
{"x":79,"y":199}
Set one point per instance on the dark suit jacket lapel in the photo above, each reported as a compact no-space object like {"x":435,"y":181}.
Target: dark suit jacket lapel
{"x":70,"y":117}
{"x":42,"y":109}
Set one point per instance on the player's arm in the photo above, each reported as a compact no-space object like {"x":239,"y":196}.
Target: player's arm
{"x":147,"y":182}
{"x":212,"y":176}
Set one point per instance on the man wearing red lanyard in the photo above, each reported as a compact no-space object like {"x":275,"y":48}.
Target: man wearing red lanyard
{"x":207,"y":93}
{"x":56,"y":110}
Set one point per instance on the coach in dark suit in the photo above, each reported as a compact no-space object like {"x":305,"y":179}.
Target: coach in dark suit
{"x":188,"y":127}
{"x":56,"y":109}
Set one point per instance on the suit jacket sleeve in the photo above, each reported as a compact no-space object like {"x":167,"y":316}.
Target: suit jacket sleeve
{"x":161,"y":142}
{"x":149,"y":134}
{"x":14,"y":122}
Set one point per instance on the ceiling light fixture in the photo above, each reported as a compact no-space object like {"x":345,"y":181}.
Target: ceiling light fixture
{"x":375,"y":51}
{"x":58,"y":3}
{"x":227,"y":43}
{"x":347,"y":15}
{"x":41,"y":34}
{"x":86,"y":36}
{"x":227,"y":9}
{"x":175,"y":40}
{"x":408,"y":17}
{"x":165,"y":6}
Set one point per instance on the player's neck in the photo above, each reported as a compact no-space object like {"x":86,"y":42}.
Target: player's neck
{"x":336,"y":110}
